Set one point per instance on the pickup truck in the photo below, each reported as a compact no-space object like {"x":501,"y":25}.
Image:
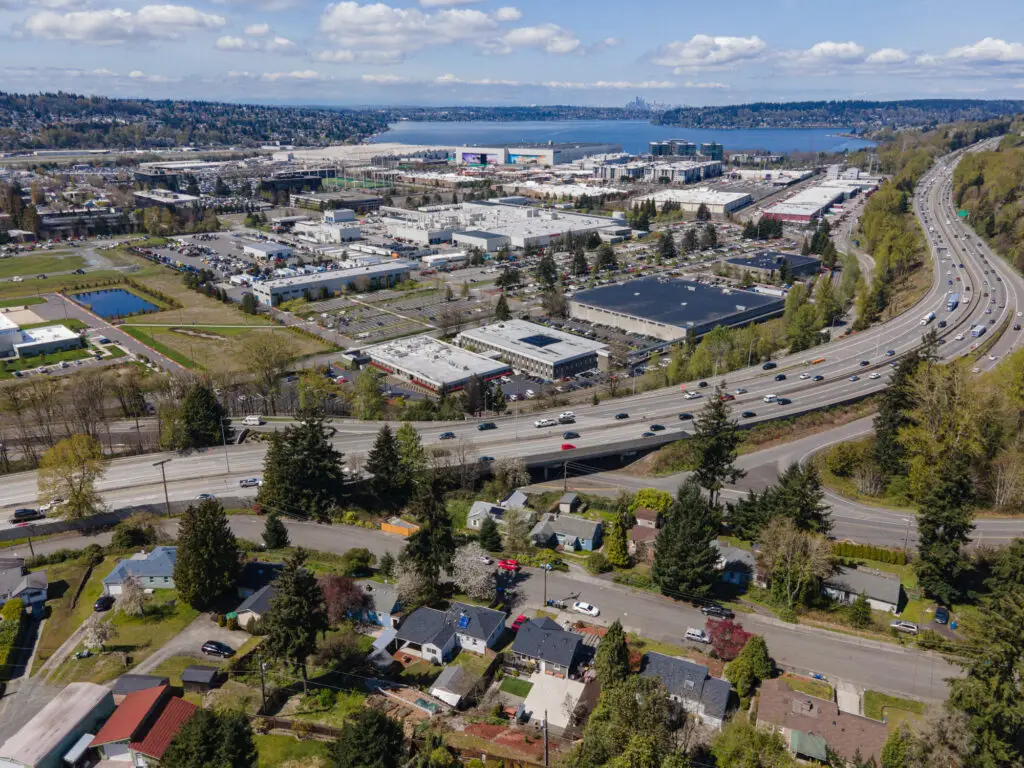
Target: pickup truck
{"x":545,"y":423}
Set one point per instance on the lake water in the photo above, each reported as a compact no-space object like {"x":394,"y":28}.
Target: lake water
{"x":633,"y":135}
{"x":115,"y":302}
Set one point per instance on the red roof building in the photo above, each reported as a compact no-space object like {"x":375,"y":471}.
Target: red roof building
{"x":143,"y":724}
{"x":159,"y":736}
{"x":130,"y":716}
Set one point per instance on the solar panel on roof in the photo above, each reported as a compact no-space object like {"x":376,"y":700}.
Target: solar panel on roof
{"x":463,"y":621}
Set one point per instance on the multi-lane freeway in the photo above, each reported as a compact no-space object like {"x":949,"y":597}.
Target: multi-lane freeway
{"x":847,"y":368}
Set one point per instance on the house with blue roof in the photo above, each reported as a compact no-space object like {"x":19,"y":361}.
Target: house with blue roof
{"x":155,"y":570}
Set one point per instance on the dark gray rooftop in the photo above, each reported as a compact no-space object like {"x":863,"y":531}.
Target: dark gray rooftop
{"x":478,"y":233}
{"x":199,"y":674}
{"x":259,"y":601}
{"x":567,"y":525}
{"x":383,"y":598}
{"x":126,"y":684}
{"x":680,"y":303}
{"x":773,"y":260}
{"x":688,"y":681}
{"x":544,"y":639}
{"x":872,"y":585}
{"x":256,"y":574}
{"x":429,"y":625}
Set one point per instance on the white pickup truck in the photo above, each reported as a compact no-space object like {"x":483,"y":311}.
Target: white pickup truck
{"x":545,"y":423}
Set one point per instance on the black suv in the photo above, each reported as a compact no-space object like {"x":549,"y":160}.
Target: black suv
{"x":717,"y":612}
{"x":217,"y":648}
{"x":103,"y":603}
{"x":486,"y":425}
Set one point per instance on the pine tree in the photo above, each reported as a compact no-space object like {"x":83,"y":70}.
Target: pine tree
{"x":580,"y":268}
{"x":197,"y":422}
{"x":703,"y":214}
{"x":369,"y":739}
{"x":897,"y":400}
{"x":212,"y":738}
{"x":897,"y":750}
{"x":429,"y":551}
{"x":547,"y":270}
{"x":612,"y":658}
{"x":615,"y":544}
{"x":944,"y":526}
{"x":412,"y":461}
{"x":381,"y":464}
{"x":805,"y":249}
{"x":798,"y":495}
{"x":207,"y":560}
{"x":275,"y":535}
{"x":297,"y":615}
{"x":667,"y":246}
{"x":690,"y":241}
{"x":716,"y":440}
{"x":860,"y":612}
{"x":490,"y":538}
{"x":685,"y":562}
{"x":501,"y":310}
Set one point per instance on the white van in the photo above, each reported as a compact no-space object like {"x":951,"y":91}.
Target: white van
{"x":697,"y":635}
{"x":253,"y":421}
{"x":770,"y":398}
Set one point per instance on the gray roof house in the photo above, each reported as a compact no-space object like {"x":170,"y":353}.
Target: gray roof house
{"x":567,"y":531}
{"x":382,"y":604}
{"x":689,"y":684}
{"x":255,"y":575}
{"x":130,"y":683}
{"x":435,"y":635}
{"x":482,"y":510}
{"x":454,"y":684}
{"x":737,"y":566}
{"x":255,"y":606}
{"x":30,"y":588}
{"x":884,"y":593}
{"x":515,"y":499}
{"x":569,"y":502}
{"x":154,"y":569}
{"x":543,"y":643}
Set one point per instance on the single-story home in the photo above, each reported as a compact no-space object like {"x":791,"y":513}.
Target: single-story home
{"x":255,"y":606}
{"x":435,"y":635}
{"x":544,"y":644}
{"x":127,"y":684}
{"x":515,"y":498}
{"x":199,"y":679}
{"x":806,"y":722}
{"x":142,"y":726}
{"x":570,"y":532}
{"x":884,"y":593}
{"x":569,"y":503}
{"x":382,"y":604}
{"x":454,"y":684}
{"x":735,"y":565}
{"x":647,"y":517}
{"x":690,"y":685}
{"x":15,"y":583}
{"x":480,"y":511}
{"x":155,"y":570}
{"x":641,"y":542}
{"x":256,"y":575}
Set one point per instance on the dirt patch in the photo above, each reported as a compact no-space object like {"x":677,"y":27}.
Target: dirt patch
{"x":199,"y":334}
{"x":527,"y":743}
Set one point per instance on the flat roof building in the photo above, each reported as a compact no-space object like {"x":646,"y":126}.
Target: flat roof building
{"x":670,"y":309}
{"x":360,"y":202}
{"x":531,"y":154}
{"x":433,"y":364}
{"x":683,"y":171}
{"x":367,"y":277}
{"x":35,"y":341}
{"x":535,"y":348}
{"x":163,"y":198}
{"x":770,"y":262}
{"x":717,"y":201}
{"x":266,"y":250}
{"x":475,"y":238}
{"x":813,"y":202}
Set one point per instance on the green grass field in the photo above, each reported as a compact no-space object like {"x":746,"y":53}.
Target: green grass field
{"x":28,"y":301}
{"x":30,"y":266}
{"x":817,"y":688}
{"x":8,"y":368}
{"x":516,"y":687}
{"x":892,"y":708}
{"x":72,"y":323}
{"x":54,"y":283}
{"x":275,"y":751}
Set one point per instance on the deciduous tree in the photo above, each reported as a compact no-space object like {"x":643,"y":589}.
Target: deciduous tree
{"x":69,"y":472}
{"x":741,"y":743}
{"x":518,"y":525}
{"x":132,"y":600}
{"x":472,"y":572}
{"x":793,"y":561}
{"x":97,"y":633}
{"x":342,"y":596}
{"x":728,"y":637}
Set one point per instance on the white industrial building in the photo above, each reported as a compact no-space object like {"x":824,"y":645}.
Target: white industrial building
{"x":534,"y":348}
{"x":531,"y":154}
{"x":717,"y":201}
{"x":15,"y":342}
{"x":326,"y":232}
{"x":445,"y":260}
{"x":683,"y":171}
{"x":485,"y":241}
{"x":363,"y":278}
{"x":266,"y":250}
{"x":433,"y":364}
{"x":559,"y":191}
{"x":813,"y":202}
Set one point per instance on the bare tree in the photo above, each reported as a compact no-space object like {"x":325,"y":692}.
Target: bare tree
{"x":511,"y":473}
{"x":791,"y":559}
{"x":1007,"y":480}
{"x":473,"y":573}
{"x":266,"y":356}
{"x":132,"y":600}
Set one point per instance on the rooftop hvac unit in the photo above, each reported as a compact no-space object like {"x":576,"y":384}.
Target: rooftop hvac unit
{"x":741,"y":308}
{"x":691,"y":288}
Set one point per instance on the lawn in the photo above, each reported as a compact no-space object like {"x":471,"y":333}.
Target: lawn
{"x":817,"y":688}
{"x":55,"y":283}
{"x":142,"y":335}
{"x":345,"y":705}
{"x":276,"y":751}
{"x":28,"y":301}
{"x":173,"y":667}
{"x":137,"y":637}
{"x":30,"y":266}
{"x":8,"y":367}
{"x":419,"y":674}
{"x":472,"y":662}
{"x":516,"y":687}
{"x":893,"y":709}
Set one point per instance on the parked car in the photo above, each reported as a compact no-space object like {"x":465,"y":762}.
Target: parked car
{"x":586,"y":608}
{"x":217,"y":648}
{"x":941,"y":615}
{"x":250,"y":482}
{"x":717,"y":611}
{"x":447,"y":436}
{"x":509,"y":565}
{"x":520,"y":620}
{"x":483,"y":426}
{"x":698,"y":636}
{"x":904,"y":626}
{"x":104,"y":603}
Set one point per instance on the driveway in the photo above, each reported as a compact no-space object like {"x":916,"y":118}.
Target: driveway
{"x":190,"y":640}
{"x":848,"y":697}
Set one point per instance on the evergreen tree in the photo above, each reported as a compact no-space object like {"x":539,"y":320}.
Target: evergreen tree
{"x":547,"y":270}
{"x":302,"y":471}
{"x":741,"y":744}
{"x":716,"y":440}
{"x":212,"y":738}
{"x":501,"y":310}
{"x":749,"y":515}
{"x":612,"y":658}
{"x":944,"y":526}
{"x":580,"y":268}
{"x":805,"y":249}
{"x":752,"y":666}
{"x":798,"y":495}
{"x":412,"y":460}
{"x":369,"y":739}
{"x":685,"y":562}
{"x":897,"y":400}
{"x":275,"y":535}
{"x":297,"y":615}
{"x":381,"y":464}
{"x":703,"y":214}
{"x":490,"y":537}
{"x":860,"y":612}
{"x":615,"y":548}
{"x":785,"y":272}
{"x":709,"y":237}
{"x":429,"y":551}
{"x":197,"y":422}
{"x":606,"y":259}
{"x":667,"y":246}
{"x":207,"y":562}
{"x":898,"y":749}
{"x":750,"y":231}
{"x":690,"y":241}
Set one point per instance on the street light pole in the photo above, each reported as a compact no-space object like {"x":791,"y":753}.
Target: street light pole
{"x":163,"y":475}
{"x":224,"y":440}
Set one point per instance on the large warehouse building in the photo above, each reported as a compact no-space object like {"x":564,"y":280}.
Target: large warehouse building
{"x":717,"y":201}
{"x":363,"y":278}
{"x":531,"y":154}
{"x":768,"y":263}
{"x":534,"y":348}
{"x":671,"y":309}
{"x":430,"y":363}
{"x":813,"y":202}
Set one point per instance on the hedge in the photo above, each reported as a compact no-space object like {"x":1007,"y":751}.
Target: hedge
{"x":13,"y":615}
{"x":869,"y":552}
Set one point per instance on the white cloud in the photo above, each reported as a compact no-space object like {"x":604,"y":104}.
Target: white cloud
{"x":337,"y":57}
{"x":302,"y":74}
{"x":831,"y":50}
{"x":549,"y":38}
{"x":346,"y":56}
{"x":645,"y":85}
{"x":451,"y":79}
{"x":276,"y":44}
{"x":384,"y":79}
{"x":53,"y":5}
{"x":138,"y":74}
{"x":446,"y":3}
{"x":229,"y":43}
{"x":508,"y":13}
{"x":888,"y":56}
{"x":991,"y":50}
{"x":117,"y":25}
{"x":708,"y":51}
{"x":257,"y":30}
{"x":689,"y":84}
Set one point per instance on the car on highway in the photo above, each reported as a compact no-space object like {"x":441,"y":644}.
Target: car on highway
{"x":621,"y":416}
{"x":783,"y":401}
{"x":586,"y":608}
{"x":51,"y":505}
{"x":780,"y":377}
{"x":205,"y":497}
{"x":103,"y":604}
{"x":805,"y":375}
{"x":657,"y":427}
{"x":855,"y":377}
{"x":904,"y":626}
{"x":698,"y":636}
{"x":446,"y":436}
{"x":890,"y":352}
{"x":685,"y":416}
{"x":958,"y":337}
{"x":768,"y":366}
{"x":864,"y":363}
{"x":717,"y":611}
{"x":545,"y":423}
{"x":486,"y":459}
{"x":875,"y":375}
{"x":1016,"y":326}
{"x":520,"y":620}
{"x":511,"y":566}
{"x":568,"y":447}
{"x":570,"y":435}
{"x":25,"y":515}
{"x":647,"y":434}
{"x":702,"y":384}
{"x":819,"y":377}
{"x":748,"y":414}
{"x":484,"y":426}
{"x":217,"y":648}
{"x":739,"y":391}
{"x":250,"y":482}
{"x":942,"y":323}
{"x":692,"y":395}
{"x":725,"y":398}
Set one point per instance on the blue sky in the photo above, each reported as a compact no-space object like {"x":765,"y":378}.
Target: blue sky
{"x":491,"y":52}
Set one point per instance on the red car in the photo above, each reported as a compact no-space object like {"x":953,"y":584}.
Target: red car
{"x":509,"y":565}
{"x":568,"y":446}
{"x":727,"y":397}
{"x":520,"y":619}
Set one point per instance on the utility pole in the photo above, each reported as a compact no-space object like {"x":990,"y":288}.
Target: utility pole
{"x":263,"y":687}
{"x":546,"y":763}
{"x":547,"y":567}
{"x":163,"y":475}
{"x":565,"y":476}
{"x":224,"y":439}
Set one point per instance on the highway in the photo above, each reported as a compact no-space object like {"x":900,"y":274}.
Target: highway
{"x":852,"y":367}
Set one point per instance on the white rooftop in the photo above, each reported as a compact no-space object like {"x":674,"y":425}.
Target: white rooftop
{"x":696,"y":196}
{"x":49,"y":333}
{"x":6,"y":324}
{"x":434,"y":360}
{"x":537,"y":342}
{"x":266,"y":247}
{"x":561,"y":190}
{"x":164,"y":196}
{"x":44,"y":732}
{"x":511,"y":220}
{"x":370,"y":269}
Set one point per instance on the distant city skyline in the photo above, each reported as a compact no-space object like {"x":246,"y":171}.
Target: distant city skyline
{"x":503,"y":52}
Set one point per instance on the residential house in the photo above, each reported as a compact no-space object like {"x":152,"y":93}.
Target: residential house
{"x":515,"y":498}
{"x":569,"y":503}
{"x":130,"y":722}
{"x":454,"y":685}
{"x":155,"y":570}
{"x":255,"y":606}
{"x":884,"y":593}
{"x":200,"y":679}
{"x":382,"y":608}
{"x":435,"y":635}
{"x":128,"y":684}
{"x":255,"y":576}
{"x":641,"y":542}
{"x":482,"y":510}
{"x":809,"y":723}
{"x":735,"y":565}
{"x":690,"y":685}
{"x":543,"y":644}
{"x":150,"y":748}
{"x":30,"y":588}
{"x":58,"y":728}
{"x":647,"y":517}
{"x":570,"y":532}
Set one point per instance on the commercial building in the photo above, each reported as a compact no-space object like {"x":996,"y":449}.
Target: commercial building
{"x":360,"y":202}
{"x":712,"y":150}
{"x":430,"y":363}
{"x":162,"y":198}
{"x":534,"y":348}
{"x":368,"y":277}
{"x":673,"y":147}
{"x":266,"y":250}
{"x":683,"y":171}
{"x":768,"y":263}
{"x":325,"y":233}
{"x":717,"y":201}
{"x":669,"y":309}
{"x":813,"y":202}
{"x":559,"y":191}
{"x":531,"y":154}
{"x":476,"y":238}
{"x":15,"y":342}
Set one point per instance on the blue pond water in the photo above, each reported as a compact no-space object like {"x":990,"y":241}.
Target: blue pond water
{"x":115,"y":302}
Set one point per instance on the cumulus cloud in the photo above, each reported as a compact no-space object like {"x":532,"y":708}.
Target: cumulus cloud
{"x":831,"y":50}
{"x":337,"y":57}
{"x":117,"y":25}
{"x":446,"y":3}
{"x":888,"y":56}
{"x":549,"y":38}
{"x":229,"y":43}
{"x":302,"y":74}
{"x":450,"y":79}
{"x":689,"y":84}
{"x":347,"y":56}
{"x":508,"y":13}
{"x":706,"y":51}
{"x":138,"y":74}
{"x":257,"y":30}
{"x":276,"y":44}
{"x":991,"y":50}
{"x":384,"y":79}
{"x":53,"y":5}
